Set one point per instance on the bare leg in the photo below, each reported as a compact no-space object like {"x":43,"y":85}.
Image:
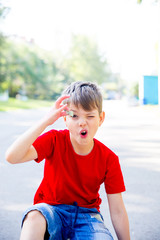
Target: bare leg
{"x":34,"y":226}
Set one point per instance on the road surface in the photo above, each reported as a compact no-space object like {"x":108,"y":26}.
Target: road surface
{"x":132,"y":132}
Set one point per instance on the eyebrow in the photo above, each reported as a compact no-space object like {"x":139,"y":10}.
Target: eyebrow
{"x":90,"y":113}
{"x":87,"y":113}
{"x":73,"y":110}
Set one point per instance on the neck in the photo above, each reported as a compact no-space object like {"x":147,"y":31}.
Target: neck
{"x":83,"y":149}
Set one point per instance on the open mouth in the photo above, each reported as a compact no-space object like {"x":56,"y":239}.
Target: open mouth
{"x":83,"y":133}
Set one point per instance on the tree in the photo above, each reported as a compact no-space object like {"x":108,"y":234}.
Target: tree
{"x":84,"y":62}
{"x":3,"y":12}
{"x":31,"y":71}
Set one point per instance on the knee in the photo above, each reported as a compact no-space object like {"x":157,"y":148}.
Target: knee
{"x":35,"y":217}
{"x":34,"y":226}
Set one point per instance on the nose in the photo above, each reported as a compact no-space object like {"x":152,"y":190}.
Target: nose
{"x":82,"y":122}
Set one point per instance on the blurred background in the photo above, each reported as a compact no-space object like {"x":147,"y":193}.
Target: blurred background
{"x":46,"y":45}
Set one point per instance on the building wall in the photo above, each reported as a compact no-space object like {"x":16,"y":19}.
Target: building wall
{"x":149,"y":90}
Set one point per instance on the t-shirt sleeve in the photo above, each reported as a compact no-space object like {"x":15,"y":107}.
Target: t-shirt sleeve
{"x":44,"y":145}
{"x":114,"y":182}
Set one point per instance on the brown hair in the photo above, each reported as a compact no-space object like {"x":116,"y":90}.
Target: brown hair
{"x":84,"y":94}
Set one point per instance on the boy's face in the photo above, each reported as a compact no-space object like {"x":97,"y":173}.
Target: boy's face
{"x":83,"y":127}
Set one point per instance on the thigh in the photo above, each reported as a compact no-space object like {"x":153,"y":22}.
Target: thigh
{"x":54,"y":224}
{"x":91,"y":226}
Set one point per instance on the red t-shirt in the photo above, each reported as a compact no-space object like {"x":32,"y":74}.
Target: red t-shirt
{"x":69,"y":177}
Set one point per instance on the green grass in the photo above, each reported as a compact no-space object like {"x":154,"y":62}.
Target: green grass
{"x":15,"y":104}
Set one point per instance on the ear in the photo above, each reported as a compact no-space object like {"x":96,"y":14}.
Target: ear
{"x":64,"y":118}
{"x":101,"y":118}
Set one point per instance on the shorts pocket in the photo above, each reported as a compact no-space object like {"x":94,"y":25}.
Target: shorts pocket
{"x":96,"y":223}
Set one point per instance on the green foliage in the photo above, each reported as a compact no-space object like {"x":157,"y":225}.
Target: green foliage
{"x":3,"y":61}
{"x":29,"y":70}
{"x":134,"y":90}
{"x":85,"y":61}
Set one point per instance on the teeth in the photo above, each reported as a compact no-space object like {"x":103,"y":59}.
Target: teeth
{"x":83,"y":132}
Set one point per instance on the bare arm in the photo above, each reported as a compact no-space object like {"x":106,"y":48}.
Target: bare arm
{"x":119,"y":216}
{"x":22,"y":150}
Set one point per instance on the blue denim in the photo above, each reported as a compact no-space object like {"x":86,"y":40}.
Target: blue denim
{"x":69,"y":222}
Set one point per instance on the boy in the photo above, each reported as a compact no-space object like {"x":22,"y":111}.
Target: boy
{"x":66,"y":204}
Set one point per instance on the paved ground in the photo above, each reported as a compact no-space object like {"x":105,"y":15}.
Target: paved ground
{"x":132,"y":132}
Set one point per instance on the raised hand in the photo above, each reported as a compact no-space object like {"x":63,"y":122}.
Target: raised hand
{"x":22,"y":150}
{"x":56,"y":111}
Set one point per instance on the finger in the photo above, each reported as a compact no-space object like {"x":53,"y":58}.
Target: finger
{"x":63,"y":107}
{"x":63,"y":114}
{"x":63,"y":110}
{"x":60,"y":99}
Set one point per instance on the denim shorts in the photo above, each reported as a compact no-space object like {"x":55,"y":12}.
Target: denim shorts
{"x":71,"y":222}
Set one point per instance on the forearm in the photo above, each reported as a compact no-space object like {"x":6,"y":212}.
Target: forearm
{"x":21,"y":150}
{"x":119,"y":216}
{"x":20,"y":147}
{"x":121,"y":225}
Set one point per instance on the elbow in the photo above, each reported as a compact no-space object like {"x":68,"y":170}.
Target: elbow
{"x":9,"y":158}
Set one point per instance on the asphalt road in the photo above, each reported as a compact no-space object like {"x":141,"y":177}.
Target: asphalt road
{"x":132,"y":132}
